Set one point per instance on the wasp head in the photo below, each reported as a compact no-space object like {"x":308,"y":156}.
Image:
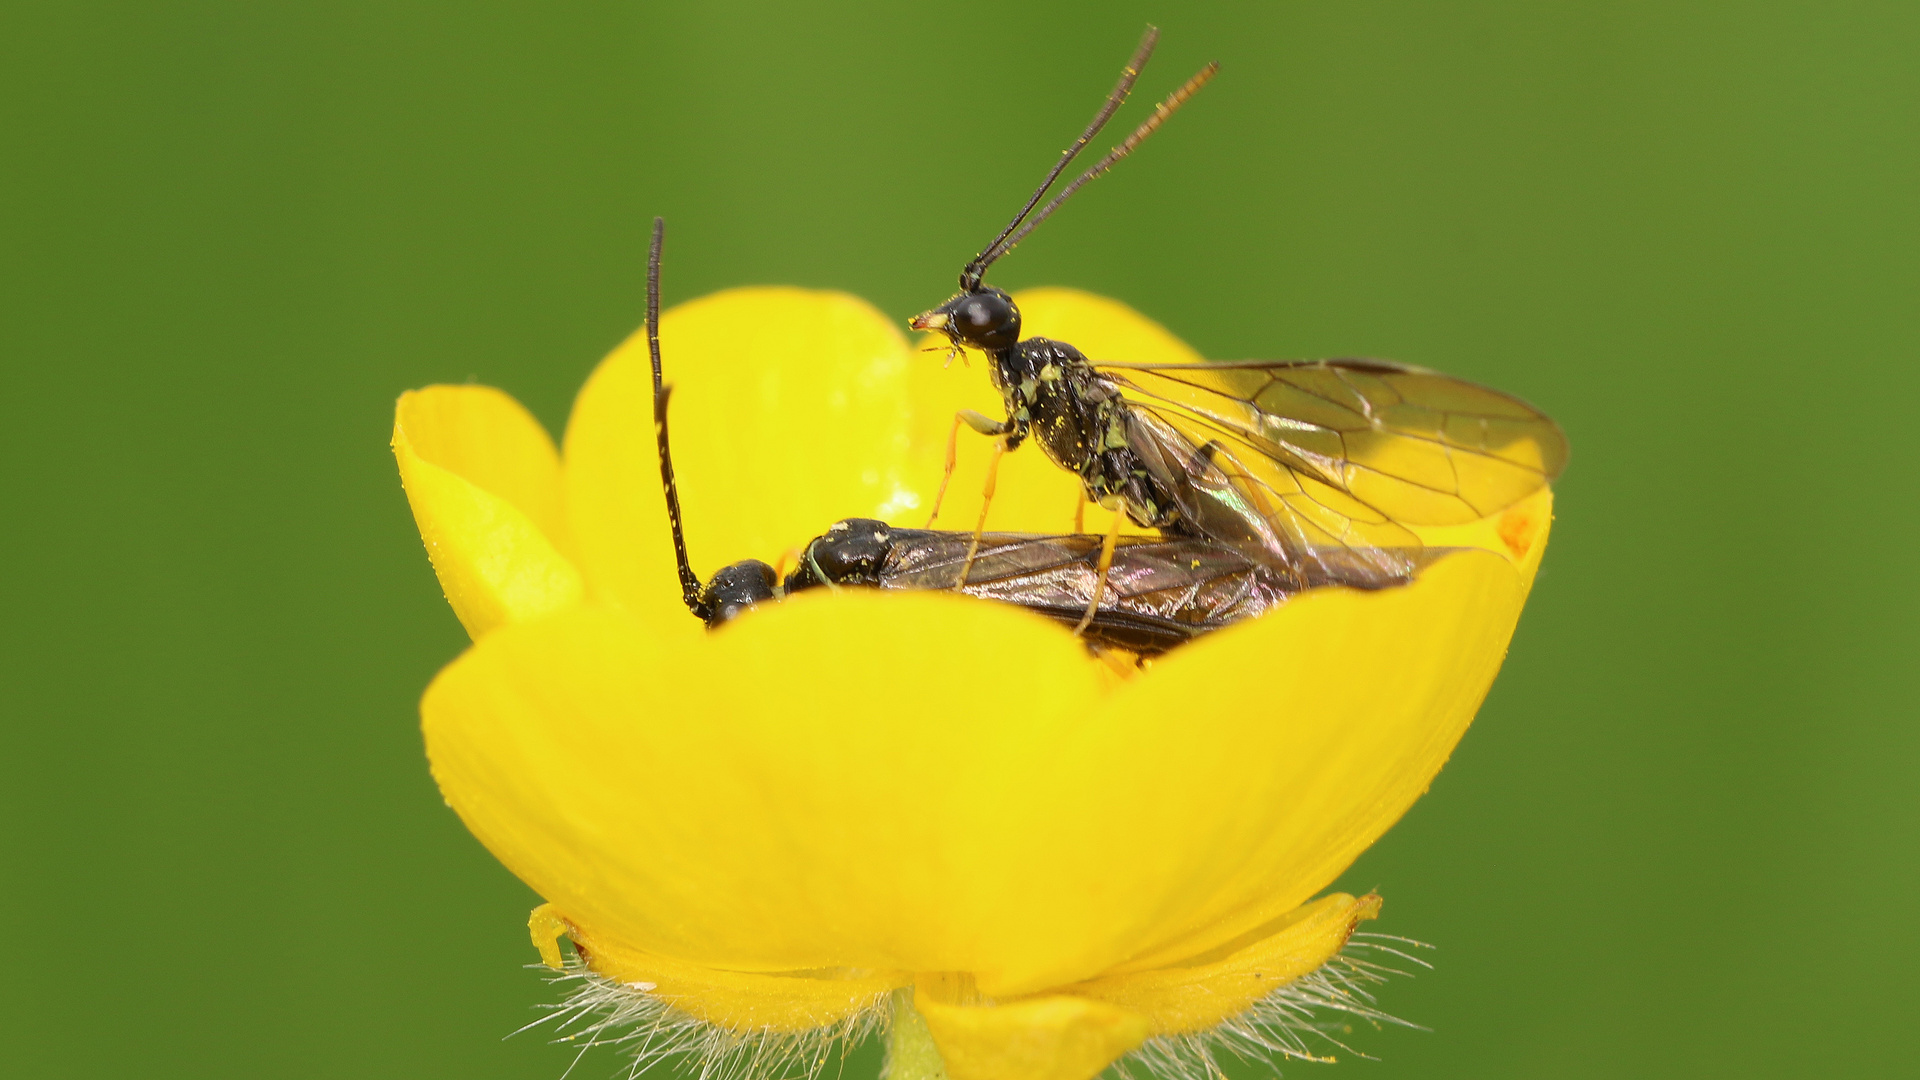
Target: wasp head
{"x":984,"y":319}
{"x":736,"y":589}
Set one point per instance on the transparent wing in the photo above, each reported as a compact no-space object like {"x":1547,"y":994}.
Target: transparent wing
{"x":1302,"y":457}
{"x":1187,"y":580}
{"x":1159,"y":591}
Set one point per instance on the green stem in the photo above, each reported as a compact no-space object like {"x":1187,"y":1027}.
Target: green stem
{"x":911,"y":1054}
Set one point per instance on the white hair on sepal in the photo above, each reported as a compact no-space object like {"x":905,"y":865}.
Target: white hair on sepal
{"x":599,"y":1011}
{"x":1315,"y":1009}
{"x":1288,"y":1023}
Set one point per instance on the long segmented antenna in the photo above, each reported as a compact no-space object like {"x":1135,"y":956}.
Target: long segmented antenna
{"x":1160,"y":113}
{"x":971,"y":274}
{"x":653,"y":298}
{"x":689,"y":584}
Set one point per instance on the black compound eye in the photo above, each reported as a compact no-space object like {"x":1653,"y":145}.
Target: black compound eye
{"x":987,"y":319}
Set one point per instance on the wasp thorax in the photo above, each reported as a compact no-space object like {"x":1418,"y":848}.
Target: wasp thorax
{"x":851,"y":553}
{"x":984,"y":319}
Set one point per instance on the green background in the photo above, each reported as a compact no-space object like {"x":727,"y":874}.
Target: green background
{"x":1679,"y":842}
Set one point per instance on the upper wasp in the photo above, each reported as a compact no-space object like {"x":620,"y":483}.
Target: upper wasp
{"x":1311,"y":466}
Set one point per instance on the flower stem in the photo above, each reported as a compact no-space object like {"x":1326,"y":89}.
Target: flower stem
{"x":911,"y":1054}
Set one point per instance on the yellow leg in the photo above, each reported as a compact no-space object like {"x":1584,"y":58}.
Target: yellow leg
{"x":1106,"y":564}
{"x":1080,"y":510}
{"x":986,"y":502}
{"x":985,"y":425}
{"x":953,"y":458}
{"x":786,"y":563}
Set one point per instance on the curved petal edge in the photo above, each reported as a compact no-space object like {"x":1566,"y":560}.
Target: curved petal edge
{"x":495,"y":562}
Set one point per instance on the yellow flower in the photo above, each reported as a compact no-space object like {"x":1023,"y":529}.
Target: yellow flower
{"x":924,"y":811}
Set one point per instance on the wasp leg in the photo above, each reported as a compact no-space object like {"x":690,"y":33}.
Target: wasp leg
{"x":986,"y":502}
{"x":952,"y":354}
{"x":1122,"y":663}
{"x":1106,"y":565}
{"x":978,"y":422}
{"x":953,"y":458}
{"x":785,"y":563}
{"x":1080,"y":510}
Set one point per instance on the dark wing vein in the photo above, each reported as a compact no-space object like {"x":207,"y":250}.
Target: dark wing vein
{"x":1286,"y":514}
{"x":1419,"y":447}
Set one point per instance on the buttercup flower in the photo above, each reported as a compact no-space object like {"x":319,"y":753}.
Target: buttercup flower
{"x":925,"y":812}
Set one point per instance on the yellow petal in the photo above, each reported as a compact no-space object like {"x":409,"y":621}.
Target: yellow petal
{"x":484,"y":483}
{"x":1045,"y":1038}
{"x":1359,"y":701}
{"x":790,"y":412}
{"x":1197,"y":996}
{"x":924,"y":783}
{"x":491,"y":441}
{"x":1032,"y":493}
{"x":827,"y":784}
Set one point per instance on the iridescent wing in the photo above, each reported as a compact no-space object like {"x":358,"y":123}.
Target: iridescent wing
{"x":1306,"y":457}
{"x":1159,"y":592}
{"x":1183,"y":580}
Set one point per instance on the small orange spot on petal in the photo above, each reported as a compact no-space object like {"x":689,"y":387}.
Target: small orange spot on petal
{"x":1517,"y":530}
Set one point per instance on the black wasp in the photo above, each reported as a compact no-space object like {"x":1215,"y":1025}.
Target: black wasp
{"x":1156,"y":593}
{"x":1315,"y":468}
